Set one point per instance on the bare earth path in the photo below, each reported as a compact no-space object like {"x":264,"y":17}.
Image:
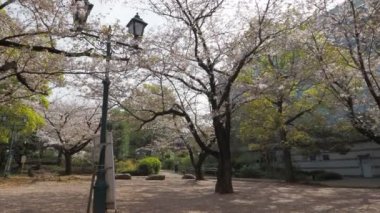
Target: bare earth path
{"x":177,"y":195}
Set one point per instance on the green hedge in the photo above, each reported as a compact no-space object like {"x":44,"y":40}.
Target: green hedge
{"x":148,"y":166}
{"x":143,"y":167}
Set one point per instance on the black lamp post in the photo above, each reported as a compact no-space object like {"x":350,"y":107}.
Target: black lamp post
{"x":81,"y":10}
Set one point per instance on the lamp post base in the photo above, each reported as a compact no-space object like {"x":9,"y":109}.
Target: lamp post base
{"x":100,"y":190}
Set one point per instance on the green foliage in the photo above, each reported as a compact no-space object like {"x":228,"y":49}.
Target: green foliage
{"x":48,"y":154}
{"x":148,"y":166}
{"x":167,"y":153}
{"x":139,"y":139}
{"x":80,"y":161}
{"x":145,"y":166}
{"x":81,"y":165}
{"x":126,"y":136}
{"x":121,"y":134}
{"x":15,"y":115}
{"x":169,"y":159}
{"x":329,"y":131}
{"x":210,"y":162}
{"x":242,"y":159}
{"x":44,"y":101}
{"x":185,"y":163}
{"x":291,"y":93}
{"x":168,"y":164}
{"x":259,"y":121}
{"x":126,"y":166}
{"x":41,"y":64}
{"x":298,"y":138}
{"x":249,"y":172}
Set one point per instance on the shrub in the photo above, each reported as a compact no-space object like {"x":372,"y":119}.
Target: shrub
{"x":183,"y":154}
{"x":148,"y":166}
{"x":80,"y":162}
{"x":49,"y":155}
{"x":327,"y":176}
{"x":126,"y":166}
{"x":185,"y":164}
{"x":301,"y":175}
{"x":168,"y":164}
{"x":81,"y":165}
{"x":249,"y":172}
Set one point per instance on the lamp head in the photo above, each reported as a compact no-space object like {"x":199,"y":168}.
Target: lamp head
{"x":136,"y":26}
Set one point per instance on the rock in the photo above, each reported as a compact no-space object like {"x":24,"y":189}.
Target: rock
{"x":155,"y":177}
{"x":188,"y":176}
{"x":125,"y":176}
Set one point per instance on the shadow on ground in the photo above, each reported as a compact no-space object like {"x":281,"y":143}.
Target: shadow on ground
{"x":187,"y":196}
{"x":177,"y":195}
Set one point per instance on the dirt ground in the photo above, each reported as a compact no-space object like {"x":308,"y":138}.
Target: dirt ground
{"x":177,"y":195}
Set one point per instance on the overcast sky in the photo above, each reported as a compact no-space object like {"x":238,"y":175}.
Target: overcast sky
{"x":114,"y":10}
{"x":111,"y":11}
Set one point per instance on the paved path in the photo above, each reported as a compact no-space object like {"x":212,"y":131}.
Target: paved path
{"x":177,"y":196}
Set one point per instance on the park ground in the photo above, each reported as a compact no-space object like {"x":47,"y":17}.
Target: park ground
{"x":70,"y":194}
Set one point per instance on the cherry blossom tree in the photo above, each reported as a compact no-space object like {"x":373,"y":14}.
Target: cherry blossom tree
{"x":345,"y":40}
{"x":72,"y":127}
{"x":202,"y":55}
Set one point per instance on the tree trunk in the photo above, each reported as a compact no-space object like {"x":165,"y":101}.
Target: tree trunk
{"x":224,"y":173}
{"x":198,"y":173}
{"x":68,"y":158}
{"x":59,"y":157}
{"x":198,"y":166}
{"x":224,"y":177}
{"x":287,"y":156}
{"x":289,"y":170}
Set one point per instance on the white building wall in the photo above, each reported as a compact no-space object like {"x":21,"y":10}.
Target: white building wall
{"x":349,"y":164}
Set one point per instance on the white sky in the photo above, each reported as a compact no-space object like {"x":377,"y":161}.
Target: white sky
{"x":110,"y":11}
{"x":114,"y":10}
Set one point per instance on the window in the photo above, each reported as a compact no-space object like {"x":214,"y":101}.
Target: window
{"x":326,"y":157}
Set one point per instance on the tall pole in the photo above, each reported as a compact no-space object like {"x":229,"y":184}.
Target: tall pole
{"x":100,"y":188}
{"x":8,"y":165}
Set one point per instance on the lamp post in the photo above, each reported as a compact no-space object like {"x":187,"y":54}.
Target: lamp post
{"x":81,"y":10}
{"x":14,"y":127}
{"x":136,"y":26}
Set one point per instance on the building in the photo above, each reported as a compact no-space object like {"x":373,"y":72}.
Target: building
{"x":363,"y":160}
